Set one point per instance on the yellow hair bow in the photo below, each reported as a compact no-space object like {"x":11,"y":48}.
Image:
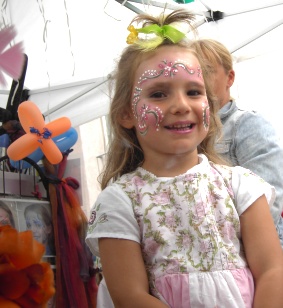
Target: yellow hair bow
{"x":161,"y":33}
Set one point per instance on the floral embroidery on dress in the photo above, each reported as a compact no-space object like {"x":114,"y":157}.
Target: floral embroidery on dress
{"x":93,"y":222}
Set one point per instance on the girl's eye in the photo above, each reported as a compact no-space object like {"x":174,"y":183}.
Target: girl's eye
{"x":193,"y":93}
{"x":157,"y":95}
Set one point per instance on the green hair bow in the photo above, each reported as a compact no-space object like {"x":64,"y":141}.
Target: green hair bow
{"x":161,"y":33}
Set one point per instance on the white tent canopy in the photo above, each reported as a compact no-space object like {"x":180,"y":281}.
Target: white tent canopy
{"x":72,"y":47}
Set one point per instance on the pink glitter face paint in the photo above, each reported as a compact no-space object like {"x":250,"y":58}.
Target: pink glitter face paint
{"x":205,"y":115}
{"x":152,"y":116}
{"x":145,"y":115}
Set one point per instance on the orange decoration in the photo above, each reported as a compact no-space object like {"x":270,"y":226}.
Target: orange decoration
{"x":25,"y":281}
{"x":38,"y":134}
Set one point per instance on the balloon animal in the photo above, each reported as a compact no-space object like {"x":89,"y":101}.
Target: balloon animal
{"x":38,"y":134}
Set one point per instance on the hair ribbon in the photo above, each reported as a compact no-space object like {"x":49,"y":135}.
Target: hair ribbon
{"x":163,"y":32}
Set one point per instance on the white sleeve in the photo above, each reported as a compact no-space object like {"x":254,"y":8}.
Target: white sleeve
{"x":112,"y":216}
{"x":248,"y":187}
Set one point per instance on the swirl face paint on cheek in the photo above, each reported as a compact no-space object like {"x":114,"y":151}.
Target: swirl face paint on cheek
{"x":205,"y":115}
{"x":146,"y":115}
{"x":149,"y":117}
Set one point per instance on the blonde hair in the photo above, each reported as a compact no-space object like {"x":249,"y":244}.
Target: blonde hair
{"x":125,"y":154}
{"x":214,"y":53}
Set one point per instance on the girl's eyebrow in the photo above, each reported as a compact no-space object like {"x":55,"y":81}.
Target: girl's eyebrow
{"x":153,"y":84}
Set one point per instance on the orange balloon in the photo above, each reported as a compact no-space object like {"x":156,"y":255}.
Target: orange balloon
{"x":59,"y":126}
{"x":30,"y":116}
{"x":23,"y":147}
{"x":38,"y":134}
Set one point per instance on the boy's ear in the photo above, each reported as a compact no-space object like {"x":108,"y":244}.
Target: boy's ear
{"x":231,"y":78}
{"x":127,"y":120}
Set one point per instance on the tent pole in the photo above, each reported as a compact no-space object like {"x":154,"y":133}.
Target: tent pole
{"x":66,"y":85}
{"x":152,"y":3}
{"x":253,"y":38}
{"x":203,"y":13}
{"x":163,"y":5}
{"x":74,"y":97}
{"x":253,"y":9}
{"x":131,"y":7}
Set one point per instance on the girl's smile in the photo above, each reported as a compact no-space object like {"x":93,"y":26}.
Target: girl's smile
{"x":180,"y":127}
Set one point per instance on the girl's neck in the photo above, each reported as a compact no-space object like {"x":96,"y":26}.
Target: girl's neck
{"x":171,"y":166}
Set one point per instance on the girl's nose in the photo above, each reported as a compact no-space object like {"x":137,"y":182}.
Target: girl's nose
{"x":180,"y":104}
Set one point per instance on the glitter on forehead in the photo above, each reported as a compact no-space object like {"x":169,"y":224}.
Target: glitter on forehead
{"x":169,"y":69}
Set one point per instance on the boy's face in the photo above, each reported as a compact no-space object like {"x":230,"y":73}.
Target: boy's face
{"x":222,"y":81}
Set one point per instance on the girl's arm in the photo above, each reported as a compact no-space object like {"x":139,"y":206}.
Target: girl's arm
{"x":125,"y":275}
{"x":264,"y":254}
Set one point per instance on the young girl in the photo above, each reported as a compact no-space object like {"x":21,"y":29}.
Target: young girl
{"x":174,"y":227}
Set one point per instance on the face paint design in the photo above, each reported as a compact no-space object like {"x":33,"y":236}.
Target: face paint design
{"x":205,"y":115}
{"x":146,"y":114}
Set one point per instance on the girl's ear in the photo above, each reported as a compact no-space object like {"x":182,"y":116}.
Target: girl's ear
{"x":127,"y":120}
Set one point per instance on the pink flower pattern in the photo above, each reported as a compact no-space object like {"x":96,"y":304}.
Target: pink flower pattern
{"x":161,"y":198}
{"x":150,"y":247}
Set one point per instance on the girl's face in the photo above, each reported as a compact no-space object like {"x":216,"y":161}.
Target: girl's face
{"x":36,"y":224}
{"x":169,"y":103}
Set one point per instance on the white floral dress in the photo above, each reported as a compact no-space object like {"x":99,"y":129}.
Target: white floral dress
{"x":189,"y":230}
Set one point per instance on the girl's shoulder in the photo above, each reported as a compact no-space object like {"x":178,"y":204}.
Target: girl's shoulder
{"x":224,"y":170}
{"x":237,"y":174}
{"x":245,"y":184}
{"x":235,"y":171}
